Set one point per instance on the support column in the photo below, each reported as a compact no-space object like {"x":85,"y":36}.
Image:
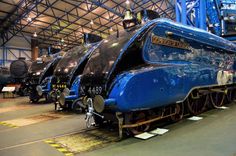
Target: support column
{"x":4,"y":55}
{"x":177,"y":12}
{"x":197,"y":17}
{"x":222,"y":22}
{"x":203,"y":14}
{"x":184,"y":12}
{"x":34,"y":49}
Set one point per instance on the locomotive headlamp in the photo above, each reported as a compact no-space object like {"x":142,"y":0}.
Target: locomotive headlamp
{"x":66,"y":91}
{"x":37,"y":73}
{"x":99,"y":103}
{"x":39,"y":90}
{"x":66,"y":70}
{"x":139,"y":17}
{"x":128,"y":15}
{"x":129,"y":20}
{"x":62,"y":100}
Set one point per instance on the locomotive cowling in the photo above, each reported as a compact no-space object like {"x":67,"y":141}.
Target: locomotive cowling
{"x":160,"y":65}
{"x":71,"y":96}
{"x":40,"y":75}
{"x":66,"y":83}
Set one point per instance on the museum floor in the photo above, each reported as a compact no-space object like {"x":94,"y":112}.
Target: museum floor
{"x":36,"y":130}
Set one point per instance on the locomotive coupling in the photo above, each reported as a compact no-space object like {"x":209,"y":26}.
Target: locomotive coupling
{"x":90,"y":113}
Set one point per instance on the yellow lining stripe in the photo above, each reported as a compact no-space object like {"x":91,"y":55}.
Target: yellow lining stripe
{"x":59,"y":147}
{"x":8,"y":125}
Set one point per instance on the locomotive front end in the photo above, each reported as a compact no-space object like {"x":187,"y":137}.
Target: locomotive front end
{"x":38,"y":86}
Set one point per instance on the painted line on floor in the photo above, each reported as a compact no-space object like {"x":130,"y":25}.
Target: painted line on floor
{"x":4,"y":100}
{"x":43,"y":139}
{"x":85,"y":141}
{"x":8,"y":125}
{"x":20,"y":122}
{"x":59,"y":147}
{"x":14,"y":108}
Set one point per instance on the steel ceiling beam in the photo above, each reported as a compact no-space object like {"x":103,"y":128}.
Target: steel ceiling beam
{"x":100,"y":4}
{"x":17,"y":11}
{"x":120,"y":4}
{"x":71,"y":16}
{"x":74,"y":22}
{"x":91,"y":28}
{"x":7,"y":35}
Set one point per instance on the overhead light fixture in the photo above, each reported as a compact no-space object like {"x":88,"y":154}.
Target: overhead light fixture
{"x":29,"y":19}
{"x":105,"y":41}
{"x":127,"y":2}
{"x":35,"y":34}
{"x":91,"y":22}
{"x":62,"y":40}
{"x":111,"y":29}
{"x":114,"y":44}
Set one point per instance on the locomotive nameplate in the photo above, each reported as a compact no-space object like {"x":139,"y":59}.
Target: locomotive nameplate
{"x":169,"y":42}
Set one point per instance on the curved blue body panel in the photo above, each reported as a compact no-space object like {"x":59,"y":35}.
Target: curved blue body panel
{"x":158,"y":86}
{"x":46,"y":85}
{"x":206,"y":60}
{"x":74,"y":91}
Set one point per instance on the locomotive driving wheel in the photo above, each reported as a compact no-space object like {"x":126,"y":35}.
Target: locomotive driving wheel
{"x":179,"y":112}
{"x":231,"y":95}
{"x":137,"y":118}
{"x":197,"y":105}
{"x":217,"y":99}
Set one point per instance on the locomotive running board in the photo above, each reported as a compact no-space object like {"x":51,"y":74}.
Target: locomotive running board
{"x":219,"y":90}
{"x":121,"y":119}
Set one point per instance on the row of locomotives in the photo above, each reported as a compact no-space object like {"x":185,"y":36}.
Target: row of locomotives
{"x":156,"y":69}
{"x":40,"y":76}
{"x":69,"y":96}
{"x":19,"y":75}
{"x":65,"y":81}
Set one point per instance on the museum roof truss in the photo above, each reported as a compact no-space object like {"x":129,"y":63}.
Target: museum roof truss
{"x":64,"y":22}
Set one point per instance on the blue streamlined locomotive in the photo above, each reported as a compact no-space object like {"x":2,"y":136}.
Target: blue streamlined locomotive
{"x":40,"y":75}
{"x":156,"y":71}
{"x":65,"y":79}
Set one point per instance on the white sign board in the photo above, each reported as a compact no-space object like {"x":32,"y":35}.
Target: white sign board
{"x":8,"y":89}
